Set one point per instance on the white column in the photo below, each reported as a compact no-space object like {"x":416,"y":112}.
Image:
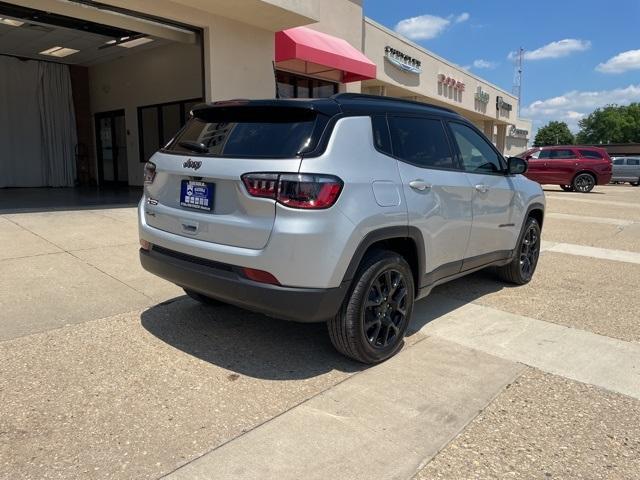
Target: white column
{"x":488,"y":129}
{"x":502,"y":138}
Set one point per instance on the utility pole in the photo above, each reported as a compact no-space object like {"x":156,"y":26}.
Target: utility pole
{"x":517,"y":77}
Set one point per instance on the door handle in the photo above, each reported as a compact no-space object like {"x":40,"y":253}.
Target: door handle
{"x":482,"y":188}
{"x":420,"y":185}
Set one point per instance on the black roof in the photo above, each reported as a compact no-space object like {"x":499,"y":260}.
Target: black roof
{"x":379,"y":104}
{"x":349,"y":103}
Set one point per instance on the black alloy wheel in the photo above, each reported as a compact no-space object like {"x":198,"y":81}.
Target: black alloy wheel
{"x":529,"y":251}
{"x":584,"y":183}
{"x":521,"y":268}
{"x":385,"y":312}
{"x":371,"y":324}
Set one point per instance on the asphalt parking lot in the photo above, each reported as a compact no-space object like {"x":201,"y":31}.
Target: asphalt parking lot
{"x":108,"y":372}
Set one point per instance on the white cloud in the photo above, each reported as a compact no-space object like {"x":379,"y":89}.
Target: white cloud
{"x":559,"y":49}
{"x":423,"y":27}
{"x":629,"y":60}
{"x":574,"y":105}
{"x":463,"y":17}
{"x":426,"y":27}
{"x":480,"y":63}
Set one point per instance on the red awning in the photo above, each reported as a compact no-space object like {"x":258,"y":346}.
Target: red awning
{"x":320,"y":49}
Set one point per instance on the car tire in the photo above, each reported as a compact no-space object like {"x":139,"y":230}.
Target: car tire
{"x":525,"y":260}
{"x":374,"y":317}
{"x":584,"y":182}
{"x":567,"y":188}
{"x":198,"y":297}
{"x":636,"y":183}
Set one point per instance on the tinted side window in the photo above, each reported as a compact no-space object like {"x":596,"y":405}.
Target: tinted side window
{"x":421,"y":141}
{"x":562,"y":153}
{"x":590,"y":154}
{"x":381,"y":138}
{"x":477,"y":154}
{"x":619,"y":161}
{"x":545,"y":154}
{"x":633,"y":161}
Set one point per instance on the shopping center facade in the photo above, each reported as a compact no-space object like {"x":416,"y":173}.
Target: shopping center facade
{"x":192,"y":50}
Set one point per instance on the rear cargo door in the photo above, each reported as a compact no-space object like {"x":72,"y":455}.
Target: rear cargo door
{"x":198,"y":192}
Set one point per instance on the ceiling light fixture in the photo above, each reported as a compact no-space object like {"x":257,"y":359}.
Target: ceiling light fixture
{"x":11,"y":22}
{"x":59,"y":52}
{"x":129,"y":41}
{"x":135,"y":42}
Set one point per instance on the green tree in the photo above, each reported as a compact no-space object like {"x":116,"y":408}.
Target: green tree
{"x":611,"y":124}
{"x":553,"y":133}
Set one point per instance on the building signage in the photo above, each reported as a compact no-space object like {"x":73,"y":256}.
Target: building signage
{"x":451,"y":82}
{"x":518,"y":132}
{"x":402,"y":61}
{"x":481,"y":95}
{"x":502,"y":105}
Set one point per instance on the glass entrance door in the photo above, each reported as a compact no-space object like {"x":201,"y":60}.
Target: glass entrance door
{"x":111,"y":142}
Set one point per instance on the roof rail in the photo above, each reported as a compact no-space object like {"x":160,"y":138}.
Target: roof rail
{"x":366,"y":96}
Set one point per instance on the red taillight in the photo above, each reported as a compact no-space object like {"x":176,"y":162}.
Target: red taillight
{"x":260,"y":276}
{"x":307,"y":191}
{"x":261,"y":184}
{"x":149,"y":172}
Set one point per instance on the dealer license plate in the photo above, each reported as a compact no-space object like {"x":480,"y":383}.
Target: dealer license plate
{"x":198,"y":195}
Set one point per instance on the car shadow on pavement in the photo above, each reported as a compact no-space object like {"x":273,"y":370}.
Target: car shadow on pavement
{"x":248,"y":343}
{"x":554,"y":190}
{"x":453,"y":295}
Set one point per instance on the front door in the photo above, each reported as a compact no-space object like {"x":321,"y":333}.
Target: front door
{"x":437,"y":192}
{"x":537,"y":168}
{"x":111,"y":144}
{"x":494,"y":230}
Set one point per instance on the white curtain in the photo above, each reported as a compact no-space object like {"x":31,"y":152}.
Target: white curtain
{"x":37,"y":124}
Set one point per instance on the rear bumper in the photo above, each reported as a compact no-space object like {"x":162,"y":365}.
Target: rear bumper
{"x":604,"y":178}
{"x":225,"y":283}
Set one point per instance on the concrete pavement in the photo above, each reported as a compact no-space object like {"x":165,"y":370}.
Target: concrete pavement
{"x":381,"y":423}
{"x":108,"y":372}
{"x":544,"y":427}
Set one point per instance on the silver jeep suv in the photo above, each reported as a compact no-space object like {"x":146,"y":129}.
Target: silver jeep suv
{"x":344,"y":209}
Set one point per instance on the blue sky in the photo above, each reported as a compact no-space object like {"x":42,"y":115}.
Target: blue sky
{"x":579,"y":54}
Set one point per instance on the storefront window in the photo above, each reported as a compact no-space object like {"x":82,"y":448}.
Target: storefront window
{"x":291,"y":85}
{"x":158,"y":123}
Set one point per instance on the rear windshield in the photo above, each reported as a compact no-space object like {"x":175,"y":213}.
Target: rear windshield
{"x":252,"y":132}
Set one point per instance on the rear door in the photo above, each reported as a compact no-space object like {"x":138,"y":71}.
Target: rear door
{"x":437,"y":192}
{"x":198,"y":192}
{"x":562,"y":165}
{"x":494,"y":229}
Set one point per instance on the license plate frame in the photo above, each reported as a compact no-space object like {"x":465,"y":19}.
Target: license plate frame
{"x":197,"y":195}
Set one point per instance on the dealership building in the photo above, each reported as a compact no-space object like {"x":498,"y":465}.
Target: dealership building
{"x":90,"y":89}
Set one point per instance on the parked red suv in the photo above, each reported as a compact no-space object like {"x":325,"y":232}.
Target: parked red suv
{"x":574,"y":168}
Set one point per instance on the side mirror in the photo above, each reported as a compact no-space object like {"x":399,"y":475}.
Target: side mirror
{"x":516,"y":165}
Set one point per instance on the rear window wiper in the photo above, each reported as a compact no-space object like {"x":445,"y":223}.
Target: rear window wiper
{"x":194,"y":146}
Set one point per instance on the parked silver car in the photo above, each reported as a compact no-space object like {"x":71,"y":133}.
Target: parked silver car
{"x":626,"y":169}
{"x":343,"y":210}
